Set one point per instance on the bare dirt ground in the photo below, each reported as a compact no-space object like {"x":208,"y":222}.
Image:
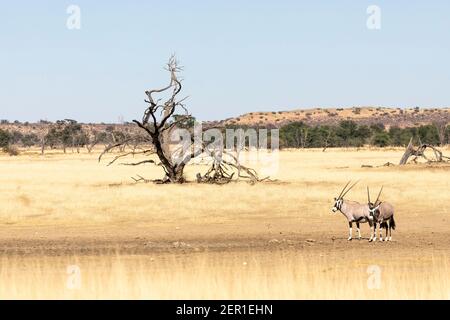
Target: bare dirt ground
{"x":314,"y":237}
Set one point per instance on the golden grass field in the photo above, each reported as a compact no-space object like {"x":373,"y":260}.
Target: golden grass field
{"x":272,"y":240}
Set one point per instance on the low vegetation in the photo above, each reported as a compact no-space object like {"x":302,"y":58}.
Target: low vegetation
{"x":349,"y":134}
{"x":69,"y":134}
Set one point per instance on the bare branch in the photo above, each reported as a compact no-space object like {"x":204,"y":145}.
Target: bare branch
{"x":109,"y":148}
{"x":127,"y":154}
{"x":139,"y":179}
{"x":137,"y":163}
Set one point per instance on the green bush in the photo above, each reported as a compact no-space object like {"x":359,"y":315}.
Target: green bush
{"x":5,"y":138}
{"x":349,"y":134}
{"x":381,"y":139}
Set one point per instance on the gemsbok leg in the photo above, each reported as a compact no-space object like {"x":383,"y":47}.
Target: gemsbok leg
{"x":359,"y":231}
{"x":387,"y":225}
{"x":374,"y":232}
{"x":350,"y":225}
{"x":371,"y":232}
{"x":381,"y":231}
{"x":390,"y":231}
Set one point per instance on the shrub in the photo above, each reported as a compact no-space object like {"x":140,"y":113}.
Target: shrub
{"x":5,"y":138}
{"x":11,"y":150}
{"x":381,"y":139}
{"x":29,"y":140}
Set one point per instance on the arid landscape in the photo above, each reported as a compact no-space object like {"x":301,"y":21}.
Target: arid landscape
{"x":231,"y":154}
{"x":400,"y":117}
{"x":71,"y":227}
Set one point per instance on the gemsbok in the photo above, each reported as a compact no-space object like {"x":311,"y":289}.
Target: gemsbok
{"x":383,"y":214}
{"x":353,"y":211}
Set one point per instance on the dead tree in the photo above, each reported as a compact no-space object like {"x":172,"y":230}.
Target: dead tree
{"x":419,"y":152}
{"x":441,"y":127}
{"x":159,"y":121}
{"x":43,"y":139}
{"x":326,"y":142}
{"x":44,"y":128}
{"x":93,"y":138}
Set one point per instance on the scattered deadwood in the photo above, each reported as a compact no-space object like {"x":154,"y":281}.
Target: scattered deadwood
{"x":419,"y":152}
{"x":387,"y":164}
{"x":140,"y":179}
{"x":217,"y":174}
{"x":227,"y":166}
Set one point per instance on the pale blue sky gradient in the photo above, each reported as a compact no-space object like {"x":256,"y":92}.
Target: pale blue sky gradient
{"x":238,"y":56}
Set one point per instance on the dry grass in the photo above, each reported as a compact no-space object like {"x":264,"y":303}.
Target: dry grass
{"x":279,"y":275}
{"x":73,"y":197}
{"x":57,"y":188}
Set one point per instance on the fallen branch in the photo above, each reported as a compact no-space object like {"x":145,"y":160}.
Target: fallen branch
{"x":136,"y":163}
{"x":140,"y":178}
{"x":420,"y":153}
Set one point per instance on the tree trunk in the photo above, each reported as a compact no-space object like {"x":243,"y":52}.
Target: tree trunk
{"x":42,"y":146}
{"x":174,"y":172}
{"x":408,"y":153}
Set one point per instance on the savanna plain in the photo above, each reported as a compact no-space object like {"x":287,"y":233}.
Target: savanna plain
{"x":73,"y":228}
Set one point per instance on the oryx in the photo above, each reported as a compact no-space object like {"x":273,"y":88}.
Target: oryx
{"x":353,"y":211}
{"x":383,"y":214}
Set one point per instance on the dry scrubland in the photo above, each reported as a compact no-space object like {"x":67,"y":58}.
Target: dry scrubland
{"x":362,"y":115}
{"x":271,"y":240}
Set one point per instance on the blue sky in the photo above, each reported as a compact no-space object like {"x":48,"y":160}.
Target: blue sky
{"x":238,"y":57}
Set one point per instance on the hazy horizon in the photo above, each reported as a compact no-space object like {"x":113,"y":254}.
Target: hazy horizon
{"x":238,"y":57}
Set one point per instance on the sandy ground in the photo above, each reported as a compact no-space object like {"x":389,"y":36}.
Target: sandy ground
{"x":251,"y":235}
{"x":318,"y":235}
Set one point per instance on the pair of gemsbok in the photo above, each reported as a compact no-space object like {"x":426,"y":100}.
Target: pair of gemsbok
{"x":378,"y":212}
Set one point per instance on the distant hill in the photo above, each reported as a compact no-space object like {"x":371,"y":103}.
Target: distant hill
{"x":389,"y":117}
{"x":329,"y":116}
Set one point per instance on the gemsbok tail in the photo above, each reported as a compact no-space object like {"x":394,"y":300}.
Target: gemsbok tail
{"x":392,"y":223}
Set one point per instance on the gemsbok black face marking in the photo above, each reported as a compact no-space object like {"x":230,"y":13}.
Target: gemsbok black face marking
{"x":383,"y":214}
{"x":352,"y":210}
{"x":337,"y":205}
